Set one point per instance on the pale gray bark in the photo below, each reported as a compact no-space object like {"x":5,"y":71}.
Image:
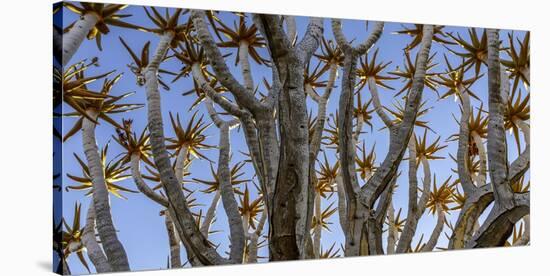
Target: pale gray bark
{"x":342,"y":208}
{"x":77,"y":34}
{"x":322,"y":101}
{"x":400,"y":135}
{"x":140,"y":183}
{"x":173,"y":242}
{"x":291,"y":28}
{"x":434,"y":237}
{"x":416,"y":206}
{"x":317,"y":230}
{"x":95,"y":253}
{"x":477,"y":198}
{"x":482,"y":175}
{"x":392,"y":231}
{"x":500,"y":222}
{"x":509,"y":207}
{"x":230,"y":205}
{"x":496,"y":143}
{"x":292,"y":194}
{"x":377,"y":104}
{"x":113,"y":248}
{"x":526,"y":236}
{"x":476,"y":202}
{"x":525,"y":129}
{"x":210,"y":214}
{"x":356,"y":243}
{"x":178,"y":209}
{"x":256,"y":117}
{"x":181,"y":161}
{"x":254,"y":236}
{"x":219,"y":66}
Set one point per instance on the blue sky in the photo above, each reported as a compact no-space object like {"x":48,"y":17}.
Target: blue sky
{"x":142,"y":230}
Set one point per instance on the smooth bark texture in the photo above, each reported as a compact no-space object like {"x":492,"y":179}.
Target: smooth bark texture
{"x":104,"y":222}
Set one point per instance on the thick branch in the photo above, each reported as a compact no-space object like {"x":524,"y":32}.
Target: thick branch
{"x":178,"y":208}
{"x":496,"y":139}
{"x":500,"y":223}
{"x":400,"y":136}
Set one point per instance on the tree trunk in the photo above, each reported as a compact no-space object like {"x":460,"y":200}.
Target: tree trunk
{"x":293,"y":193}
{"x":496,"y":137}
{"x":178,"y":208}
{"x":113,"y":248}
{"x":289,"y":225}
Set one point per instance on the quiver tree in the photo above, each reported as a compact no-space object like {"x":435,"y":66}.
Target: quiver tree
{"x":94,"y":22}
{"x":312,"y":163}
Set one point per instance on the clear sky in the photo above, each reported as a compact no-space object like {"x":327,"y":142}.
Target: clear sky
{"x":141,"y":229}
